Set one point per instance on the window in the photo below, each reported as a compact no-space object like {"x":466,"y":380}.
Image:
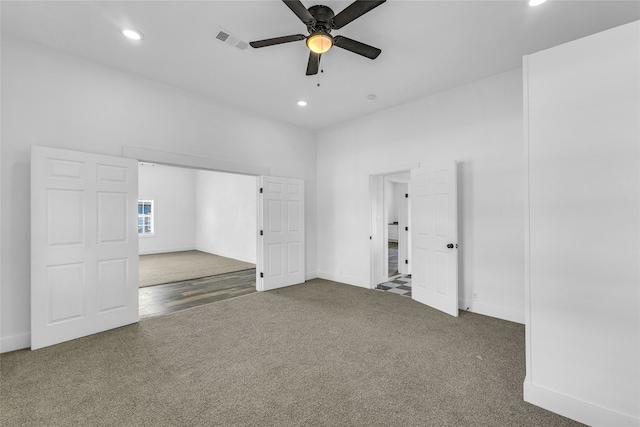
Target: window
{"x":146,"y":222}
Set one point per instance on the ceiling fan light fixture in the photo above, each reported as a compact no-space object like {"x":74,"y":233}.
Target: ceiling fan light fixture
{"x":319,"y":42}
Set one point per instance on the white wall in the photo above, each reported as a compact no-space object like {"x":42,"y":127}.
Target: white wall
{"x":226,"y":215}
{"x":58,"y":100}
{"x":583,"y":290}
{"x":480,"y":126}
{"x":174,"y":193}
{"x":393,"y":194}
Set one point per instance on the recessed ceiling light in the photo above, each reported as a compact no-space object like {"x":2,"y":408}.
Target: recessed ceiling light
{"x":302,"y":103}
{"x":132,"y":34}
{"x":536,"y":2}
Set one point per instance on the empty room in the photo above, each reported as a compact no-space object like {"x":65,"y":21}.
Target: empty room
{"x":196,"y":237}
{"x":495,"y":145}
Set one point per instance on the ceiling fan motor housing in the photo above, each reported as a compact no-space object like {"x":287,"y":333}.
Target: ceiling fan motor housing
{"x":323,"y":15}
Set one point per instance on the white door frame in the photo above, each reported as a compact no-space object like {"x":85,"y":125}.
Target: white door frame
{"x":203,"y":163}
{"x":378,"y":236}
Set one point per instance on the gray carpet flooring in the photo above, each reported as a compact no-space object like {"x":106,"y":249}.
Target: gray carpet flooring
{"x":316,"y":354}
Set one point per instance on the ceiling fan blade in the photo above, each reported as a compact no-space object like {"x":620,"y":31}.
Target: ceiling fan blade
{"x":354,"y":11}
{"x":277,"y":40}
{"x":314,"y":63}
{"x":301,"y":11}
{"x":356,"y":47}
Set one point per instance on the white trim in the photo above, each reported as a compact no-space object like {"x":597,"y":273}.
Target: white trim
{"x":166,"y":250}
{"x":310,"y":275}
{"x":372,"y":230}
{"x":227,"y":255}
{"x":527,"y":235}
{"x":394,"y":169}
{"x":396,"y":180}
{"x":174,"y":159}
{"x":347,"y":280}
{"x":377,"y":246}
{"x":15,"y":342}
{"x":492,"y":311}
{"x":575,"y":409}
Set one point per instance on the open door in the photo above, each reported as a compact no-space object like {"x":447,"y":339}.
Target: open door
{"x":403,"y":227}
{"x":434,"y":237}
{"x":281,"y":259}
{"x":84,"y":244}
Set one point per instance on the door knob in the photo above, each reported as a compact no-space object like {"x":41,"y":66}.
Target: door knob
{"x":450,"y":245}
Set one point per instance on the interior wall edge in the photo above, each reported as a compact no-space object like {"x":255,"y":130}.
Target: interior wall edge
{"x":525,"y":211}
{"x":347,"y":280}
{"x":310,"y":275}
{"x":492,"y":311}
{"x":576,"y":409}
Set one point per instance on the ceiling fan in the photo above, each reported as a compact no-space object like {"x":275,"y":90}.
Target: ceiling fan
{"x":320,"y":20}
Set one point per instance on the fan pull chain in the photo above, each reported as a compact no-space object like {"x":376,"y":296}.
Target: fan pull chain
{"x":321,"y":61}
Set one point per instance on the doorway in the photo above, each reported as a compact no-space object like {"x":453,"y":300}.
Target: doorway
{"x":433,"y":256}
{"x":196,"y":233}
{"x":396,"y":206}
{"x":391,"y":247}
{"x":280,"y":244}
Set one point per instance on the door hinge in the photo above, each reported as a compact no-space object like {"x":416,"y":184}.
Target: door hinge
{"x":260,"y":190}
{"x":261,"y":275}
{"x":370,"y":237}
{"x":406,"y":195}
{"x":406,"y":229}
{"x":406,"y":261}
{"x":261,"y":233}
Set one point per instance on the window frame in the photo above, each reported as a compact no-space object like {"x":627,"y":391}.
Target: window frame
{"x":152,"y":215}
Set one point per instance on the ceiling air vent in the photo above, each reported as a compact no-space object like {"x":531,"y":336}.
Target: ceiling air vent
{"x":232,"y":40}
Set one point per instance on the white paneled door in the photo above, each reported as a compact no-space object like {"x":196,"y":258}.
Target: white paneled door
{"x":84,"y":244}
{"x":281,"y":260}
{"x":434,"y":237}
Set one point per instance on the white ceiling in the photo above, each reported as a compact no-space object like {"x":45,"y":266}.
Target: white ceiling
{"x":427,"y":47}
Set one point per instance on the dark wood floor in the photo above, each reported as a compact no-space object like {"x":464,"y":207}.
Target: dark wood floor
{"x":170,"y":297}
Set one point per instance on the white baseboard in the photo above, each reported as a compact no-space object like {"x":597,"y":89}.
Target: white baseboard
{"x":228,"y":255}
{"x":15,"y":342}
{"x":310,"y":275}
{"x":349,"y":280}
{"x":165,"y":250}
{"x":492,"y":310}
{"x":576,"y":409}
